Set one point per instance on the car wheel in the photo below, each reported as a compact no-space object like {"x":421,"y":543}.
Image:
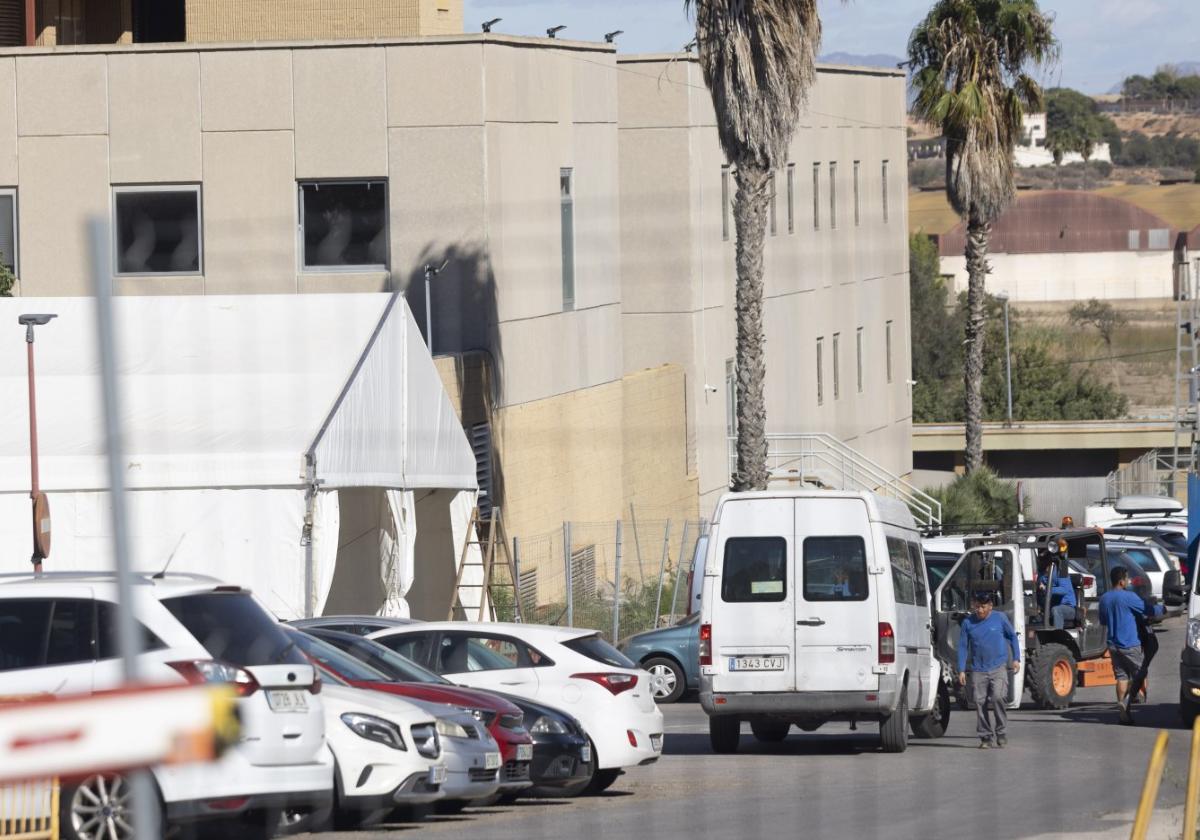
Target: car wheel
{"x":98,"y":808}
{"x":893,"y":730}
{"x":1189,"y":709}
{"x":667,"y":680}
{"x":724,"y":732}
{"x":602,"y":780}
{"x":933,"y":725}
{"x":769,"y":731}
{"x":1051,"y":676}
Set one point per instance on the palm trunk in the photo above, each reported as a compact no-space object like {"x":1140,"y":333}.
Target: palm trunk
{"x":750,"y":220}
{"x":978,"y":232}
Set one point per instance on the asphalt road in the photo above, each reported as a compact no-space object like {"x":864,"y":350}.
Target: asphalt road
{"x":1069,"y":772}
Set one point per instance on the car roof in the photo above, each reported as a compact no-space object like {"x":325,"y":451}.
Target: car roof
{"x":164,"y":585}
{"x":527,"y":631}
{"x":318,"y":621}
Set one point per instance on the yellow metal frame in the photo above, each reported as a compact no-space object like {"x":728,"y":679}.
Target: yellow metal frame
{"x":26,"y":821}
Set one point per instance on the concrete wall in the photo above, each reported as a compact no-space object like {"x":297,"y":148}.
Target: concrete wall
{"x":678,"y":280}
{"x":287,"y":20}
{"x":1075,"y":276}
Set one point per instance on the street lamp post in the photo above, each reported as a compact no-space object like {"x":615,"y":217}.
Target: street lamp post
{"x":430,"y":273}
{"x":1007,"y":356}
{"x":41,"y":507}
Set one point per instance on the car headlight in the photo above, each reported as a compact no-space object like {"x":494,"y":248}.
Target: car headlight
{"x":375,"y":729}
{"x":1193,"y":634}
{"x":450,"y":729}
{"x":545,"y":725}
{"x":482,"y":715}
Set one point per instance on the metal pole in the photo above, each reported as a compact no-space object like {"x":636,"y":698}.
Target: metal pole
{"x":617,"y":586}
{"x":637,"y":544}
{"x":428,"y":311}
{"x":1145,"y":809}
{"x":34,"y":487}
{"x":1007,"y":362}
{"x":516,"y":555}
{"x":679,"y":567}
{"x":145,"y":805}
{"x":662,"y":568}
{"x":567,"y":562}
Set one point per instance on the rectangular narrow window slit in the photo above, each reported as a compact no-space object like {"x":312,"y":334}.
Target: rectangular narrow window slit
{"x":725,"y":203}
{"x":8,"y":231}
{"x":837,"y":374}
{"x":856,"y":214}
{"x":566,"y":189}
{"x":791,"y":197}
{"x":771,"y":196}
{"x":884,"y":175}
{"x":887,"y":340}
{"x":833,"y":196}
{"x":858,"y":348}
{"x":816,"y":196}
{"x":820,"y":371}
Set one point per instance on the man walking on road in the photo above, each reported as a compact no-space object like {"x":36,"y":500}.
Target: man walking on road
{"x":1119,"y":609}
{"x":990,"y":644}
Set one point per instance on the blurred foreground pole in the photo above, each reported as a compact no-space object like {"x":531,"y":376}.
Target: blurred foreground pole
{"x":662,"y":570}
{"x":145,"y":803}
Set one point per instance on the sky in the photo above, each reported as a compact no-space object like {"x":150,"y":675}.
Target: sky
{"x":1103,"y":41}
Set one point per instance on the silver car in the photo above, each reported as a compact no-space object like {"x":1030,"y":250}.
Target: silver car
{"x":471,"y":755}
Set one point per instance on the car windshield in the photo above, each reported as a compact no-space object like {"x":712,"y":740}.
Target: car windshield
{"x":234,"y":628}
{"x":335,"y":660}
{"x":1144,"y":557}
{"x":385,"y":660}
{"x":593,"y":647}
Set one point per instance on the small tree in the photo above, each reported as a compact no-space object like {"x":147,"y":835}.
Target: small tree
{"x":7,"y":279}
{"x":1099,"y":314}
{"x":978,"y":497}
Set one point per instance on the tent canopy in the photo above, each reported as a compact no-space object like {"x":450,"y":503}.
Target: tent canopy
{"x":233,"y":392}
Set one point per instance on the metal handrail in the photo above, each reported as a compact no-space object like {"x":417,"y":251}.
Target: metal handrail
{"x":849,"y":469}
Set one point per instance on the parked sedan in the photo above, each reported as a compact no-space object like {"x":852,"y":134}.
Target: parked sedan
{"x":561,"y":665}
{"x":562,"y":755}
{"x":671,"y":655}
{"x":503,"y":720}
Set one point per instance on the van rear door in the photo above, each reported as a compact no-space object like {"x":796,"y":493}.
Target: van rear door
{"x":837,"y":618}
{"x":752,"y":614}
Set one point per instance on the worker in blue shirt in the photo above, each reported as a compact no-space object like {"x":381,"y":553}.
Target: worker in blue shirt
{"x":1062,"y":593}
{"x":1119,"y":612}
{"x":990,"y":646}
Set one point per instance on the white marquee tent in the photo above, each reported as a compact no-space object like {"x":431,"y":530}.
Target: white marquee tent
{"x":246,"y":419}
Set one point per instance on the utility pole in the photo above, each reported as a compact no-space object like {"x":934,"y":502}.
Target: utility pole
{"x":40,"y":505}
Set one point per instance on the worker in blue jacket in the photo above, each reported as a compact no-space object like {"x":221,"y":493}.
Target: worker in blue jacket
{"x":988,"y":647}
{"x":1062,"y":593}
{"x":1120,"y":610}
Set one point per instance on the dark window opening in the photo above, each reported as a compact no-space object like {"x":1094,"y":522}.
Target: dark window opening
{"x":158,"y":231}
{"x":344,"y":224}
{"x":159,"y":21}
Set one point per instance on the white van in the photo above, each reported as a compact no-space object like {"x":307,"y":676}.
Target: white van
{"x":815,"y":608}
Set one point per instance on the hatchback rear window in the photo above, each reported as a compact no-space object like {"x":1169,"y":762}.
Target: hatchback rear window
{"x":835,"y":569}
{"x":334,"y":659}
{"x":593,"y":647}
{"x":755,"y":570}
{"x":235,"y":629}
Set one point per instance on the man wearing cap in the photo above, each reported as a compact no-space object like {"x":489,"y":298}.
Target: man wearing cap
{"x":990,"y":646}
{"x":1119,"y":612}
{"x":1062,"y":592}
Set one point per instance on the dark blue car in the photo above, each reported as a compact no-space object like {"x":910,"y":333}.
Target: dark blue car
{"x":672,"y":657}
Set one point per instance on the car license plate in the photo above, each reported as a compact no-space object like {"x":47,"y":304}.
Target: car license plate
{"x":585,"y":754}
{"x":524,"y":752}
{"x":656,"y":742}
{"x":287,"y":701}
{"x":756,"y":663}
{"x":437,"y":774}
{"x":491,"y":761}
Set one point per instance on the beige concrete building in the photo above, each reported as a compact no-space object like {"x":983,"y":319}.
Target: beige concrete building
{"x":571,"y":216}
{"x":836,"y":260}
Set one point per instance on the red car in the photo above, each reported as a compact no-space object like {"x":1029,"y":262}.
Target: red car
{"x":505,"y":721}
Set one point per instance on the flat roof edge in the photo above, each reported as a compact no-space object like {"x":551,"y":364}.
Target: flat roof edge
{"x":822,"y":67}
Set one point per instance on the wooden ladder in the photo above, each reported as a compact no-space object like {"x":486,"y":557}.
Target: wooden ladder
{"x":495,"y":542}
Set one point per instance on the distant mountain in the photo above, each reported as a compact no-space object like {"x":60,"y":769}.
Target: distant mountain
{"x":874,"y":60}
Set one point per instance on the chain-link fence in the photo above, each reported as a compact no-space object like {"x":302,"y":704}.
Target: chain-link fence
{"x":621,"y":578}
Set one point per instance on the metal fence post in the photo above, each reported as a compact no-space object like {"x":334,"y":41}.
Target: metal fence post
{"x":637,"y":543}
{"x":679,"y":566}
{"x":516,"y":557}
{"x":662,"y":569}
{"x":567,"y":561}
{"x":617,"y":588}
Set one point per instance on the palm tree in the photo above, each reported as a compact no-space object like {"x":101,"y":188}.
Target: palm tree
{"x":969,"y":59}
{"x":757,"y":57}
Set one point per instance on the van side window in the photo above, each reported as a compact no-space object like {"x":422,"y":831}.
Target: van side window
{"x":24,"y":627}
{"x":835,"y":569}
{"x":755,"y":569}
{"x":918,"y":564}
{"x":902,"y":573}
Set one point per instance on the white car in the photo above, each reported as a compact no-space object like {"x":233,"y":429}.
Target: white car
{"x":570,"y":668}
{"x":58,"y":637}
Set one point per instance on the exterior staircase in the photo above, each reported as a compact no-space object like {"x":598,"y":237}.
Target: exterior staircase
{"x":816,"y":459}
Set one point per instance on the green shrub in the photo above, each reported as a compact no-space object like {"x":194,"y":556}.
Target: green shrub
{"x":979,"y":497}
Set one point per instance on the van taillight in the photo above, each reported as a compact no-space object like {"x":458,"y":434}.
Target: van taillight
{"x":201,"y":671}
{"x":1087,"y":582}
{"x":887,"y":644}
{"x":705,"y":644}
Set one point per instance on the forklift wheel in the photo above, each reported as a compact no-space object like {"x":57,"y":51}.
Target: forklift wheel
{"x":1051,"y":676}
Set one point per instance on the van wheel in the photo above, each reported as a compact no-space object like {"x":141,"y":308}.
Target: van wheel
{"x":667,"y":680}
{"x":1189,"y":709}
{"x":933,"y":725}
{"x":893,"y":730}
{"x":723,"y":733}
{"x":769,"y":731}
{"x":1051,"y":676}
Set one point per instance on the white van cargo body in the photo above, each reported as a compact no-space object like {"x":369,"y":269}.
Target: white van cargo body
{"x":815,"y":608}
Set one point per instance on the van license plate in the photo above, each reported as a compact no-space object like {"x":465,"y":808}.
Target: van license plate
{"x":756,"y":663}
{"x":287,"y":701}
